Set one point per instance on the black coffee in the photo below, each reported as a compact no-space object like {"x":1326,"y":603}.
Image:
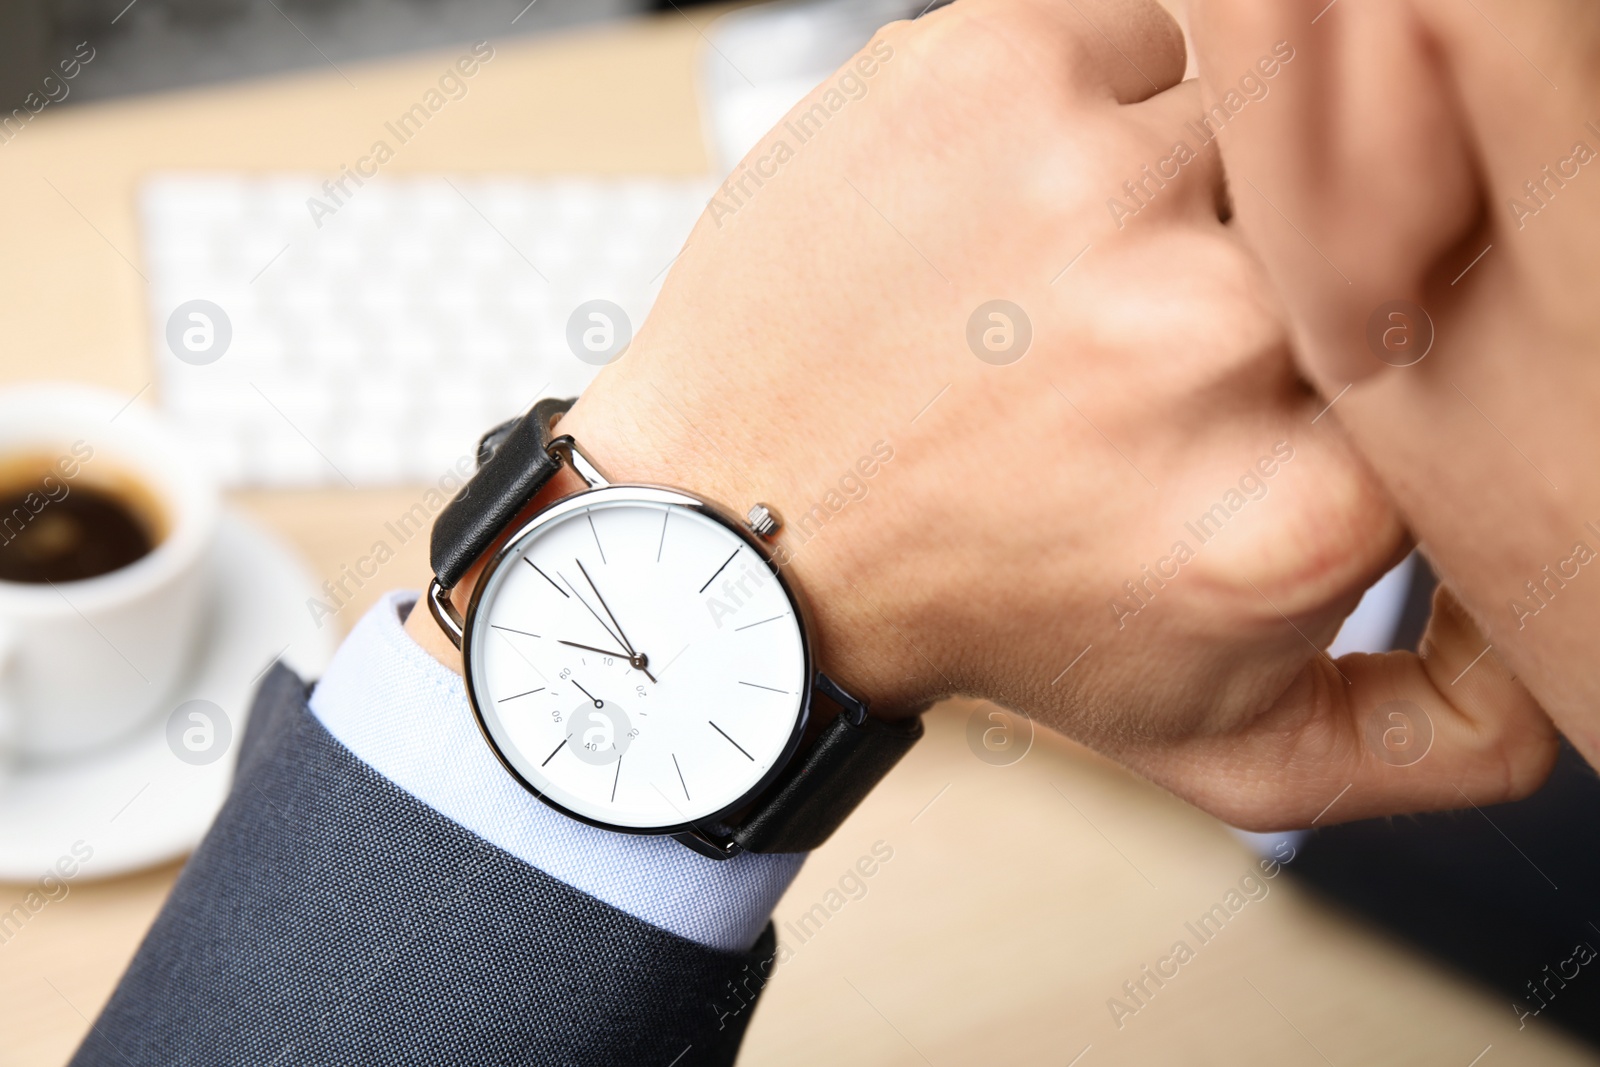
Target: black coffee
{"x":52,"y":530}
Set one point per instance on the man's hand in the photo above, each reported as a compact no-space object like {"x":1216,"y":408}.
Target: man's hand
{"x":1137,"y":528}
{"x":1421,"y":151}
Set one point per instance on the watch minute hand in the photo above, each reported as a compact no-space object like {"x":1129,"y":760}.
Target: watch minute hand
{"x":625,"y":642}
{"x":636,"y":659}
{"x":596,"y":614}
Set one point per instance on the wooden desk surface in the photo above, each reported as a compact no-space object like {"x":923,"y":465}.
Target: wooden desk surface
{"x":1017,"y":900}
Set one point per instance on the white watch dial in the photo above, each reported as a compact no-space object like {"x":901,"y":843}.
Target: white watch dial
{"x":636,"y":662}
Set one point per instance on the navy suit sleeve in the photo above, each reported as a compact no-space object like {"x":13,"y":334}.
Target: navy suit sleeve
{"x":329,"y":917}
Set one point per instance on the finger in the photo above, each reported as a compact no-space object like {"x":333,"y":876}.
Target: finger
{"x":1374,"y":735}
{"x":1351,"y":175}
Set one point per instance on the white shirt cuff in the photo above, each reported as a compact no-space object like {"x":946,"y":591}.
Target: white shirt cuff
{"x":407,"y":716}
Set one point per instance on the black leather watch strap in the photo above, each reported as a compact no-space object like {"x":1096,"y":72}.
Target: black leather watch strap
{"x":827,"y":781}
{"x":514,"y":463}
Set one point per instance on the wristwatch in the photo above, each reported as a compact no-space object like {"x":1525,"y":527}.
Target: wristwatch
{"x":638,"y":661}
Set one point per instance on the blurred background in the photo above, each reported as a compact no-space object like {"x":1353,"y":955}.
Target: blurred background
{"x":169,"y":44}
{"x":365,"y":313}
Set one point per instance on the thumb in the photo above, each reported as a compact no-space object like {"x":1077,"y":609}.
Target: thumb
{"x":1371,"y":735}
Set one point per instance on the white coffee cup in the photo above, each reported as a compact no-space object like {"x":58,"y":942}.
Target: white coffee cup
{"x":83,"y":663}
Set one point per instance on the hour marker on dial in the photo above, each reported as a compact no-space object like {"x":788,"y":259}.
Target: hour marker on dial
{"x":719,"y":570}
{"x":731,"y":741}
{"x":545,"y":576}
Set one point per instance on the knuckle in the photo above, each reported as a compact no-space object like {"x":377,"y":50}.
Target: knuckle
{"x":986,"y":46}
{"x":983,"y":44}
{"x":898,"y":33}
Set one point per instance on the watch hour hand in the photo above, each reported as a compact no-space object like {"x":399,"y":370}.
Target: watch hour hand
{"x":640,"y":660}
{"x":591,"y":648}
{"x":624,"y":637}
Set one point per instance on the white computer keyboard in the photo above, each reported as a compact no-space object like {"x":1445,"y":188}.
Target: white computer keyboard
{"x":374,"y":349}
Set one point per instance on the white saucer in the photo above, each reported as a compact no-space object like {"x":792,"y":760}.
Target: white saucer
{"x":135,"y":803}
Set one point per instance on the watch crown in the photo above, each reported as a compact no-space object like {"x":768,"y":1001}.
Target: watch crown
{"x":763,"y":521}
